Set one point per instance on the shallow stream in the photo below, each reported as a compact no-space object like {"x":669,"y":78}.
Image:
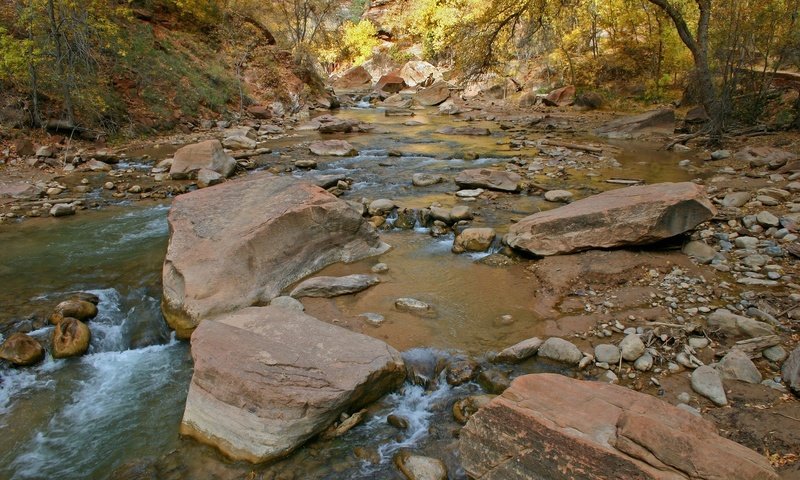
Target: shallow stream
{"x":115,"y":412}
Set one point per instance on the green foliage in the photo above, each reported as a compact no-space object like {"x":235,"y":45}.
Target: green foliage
{"x":354,"y":47}
{"x":14,"y":54}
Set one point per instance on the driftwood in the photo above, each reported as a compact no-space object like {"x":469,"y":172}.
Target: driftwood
{"x":754,"y":346}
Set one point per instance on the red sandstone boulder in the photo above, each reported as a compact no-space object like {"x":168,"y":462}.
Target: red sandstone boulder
{"x":353,"y":78}
{"x":560,"y":97}
{"x":390,"y":83}
{"x":433,"y":95}
{"x":266,"y":379}
{"x":191,"y":159}
{"x":617,"y":218}
{"x":240,"y":243}
{"x":491,"y":179}
{"x":552,"y":426}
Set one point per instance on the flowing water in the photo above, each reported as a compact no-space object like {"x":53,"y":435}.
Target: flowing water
{"x":122,"y":402}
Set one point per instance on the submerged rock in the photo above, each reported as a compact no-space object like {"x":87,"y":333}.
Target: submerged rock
{"x":551,"y":426}
{"x":651,"y":213}
{"x":21,"y":349}
{"x":490,"y":179}
{"x":70,"y":338}
{"x":412,"y":305}
{"x":334,"y":286}
{"x":417,"y":467}
{"x":337,"y":148}
{"x":266,"y":379}
{"x":241,"y":243}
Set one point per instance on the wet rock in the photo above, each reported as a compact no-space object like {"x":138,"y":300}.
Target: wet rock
{"x":489,"y":179}
{"x":560,"y":350}
{"x":474,"y":240}
{"x":288,"y":303}
{"x":381,"y":206}
{"x":520,"y":351}
{"x":188,"y":160}
{"x":406,"y":218}
{"x":374,"y":319}
{"x":417,"y":467}
{"x":467,"y":407}
{"x":660,"y":122}
{"x":242,"y":242}
{"x":70,"y":338}
{"x":75,"y":308}
{"x":737,"y":325}
{"x":21,"y":350}
{"x":790,"y":371}
{"x":345,"y":425}
{"x":560,"y":97}
{"x":473,"y":193}
{"x":62,"y":210}
{"x":551,"y":426}
{"x":291,"y":377}
{"x":353,"y":78}
{"x":337,"y":148}
{"x":561,"y":196}
{"x":96,"y":166}
{"x":707,"y":382}
{"x":700,"y":251}
{"x":736,"y":365}
{"x":631,"y":347}
{"x":607,"y":353}
{"x":412,"y":305}
{"x":306,"y":164}
{"x":426,"y":179}
{"x":493,"y":380}
{"x":652,"y":213}
{"x":433,"y":95}
{"x":397,"y":421}
{"x":461,"y":371}
{"x":380,"y":268}
{"x":328,"y":287}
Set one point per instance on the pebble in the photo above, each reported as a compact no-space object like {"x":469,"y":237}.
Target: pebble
{"x":380,"y":268}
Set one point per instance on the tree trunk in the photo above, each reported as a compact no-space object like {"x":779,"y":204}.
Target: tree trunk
{"x":66,"y":82}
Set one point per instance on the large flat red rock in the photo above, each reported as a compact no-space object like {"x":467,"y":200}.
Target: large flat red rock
{"x":550,"y":426}
{"x":266,"y":379}
{"x":241,"y":243}
{"x":617,"y":218}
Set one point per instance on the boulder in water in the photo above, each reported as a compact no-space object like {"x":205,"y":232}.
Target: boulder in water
{"x":74,"y":308}
{"x":188,"y":160}
{"x":241,"y":243}
{"x":336,"y":148}
{"x":266,"y":379}
{"x":70,"y":338}
{"x":21,"y":349}
{"x":489,"y":179}
{"x":433,"y":95}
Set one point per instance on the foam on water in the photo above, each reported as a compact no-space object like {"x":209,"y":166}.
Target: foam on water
{"x":86,"y":434}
